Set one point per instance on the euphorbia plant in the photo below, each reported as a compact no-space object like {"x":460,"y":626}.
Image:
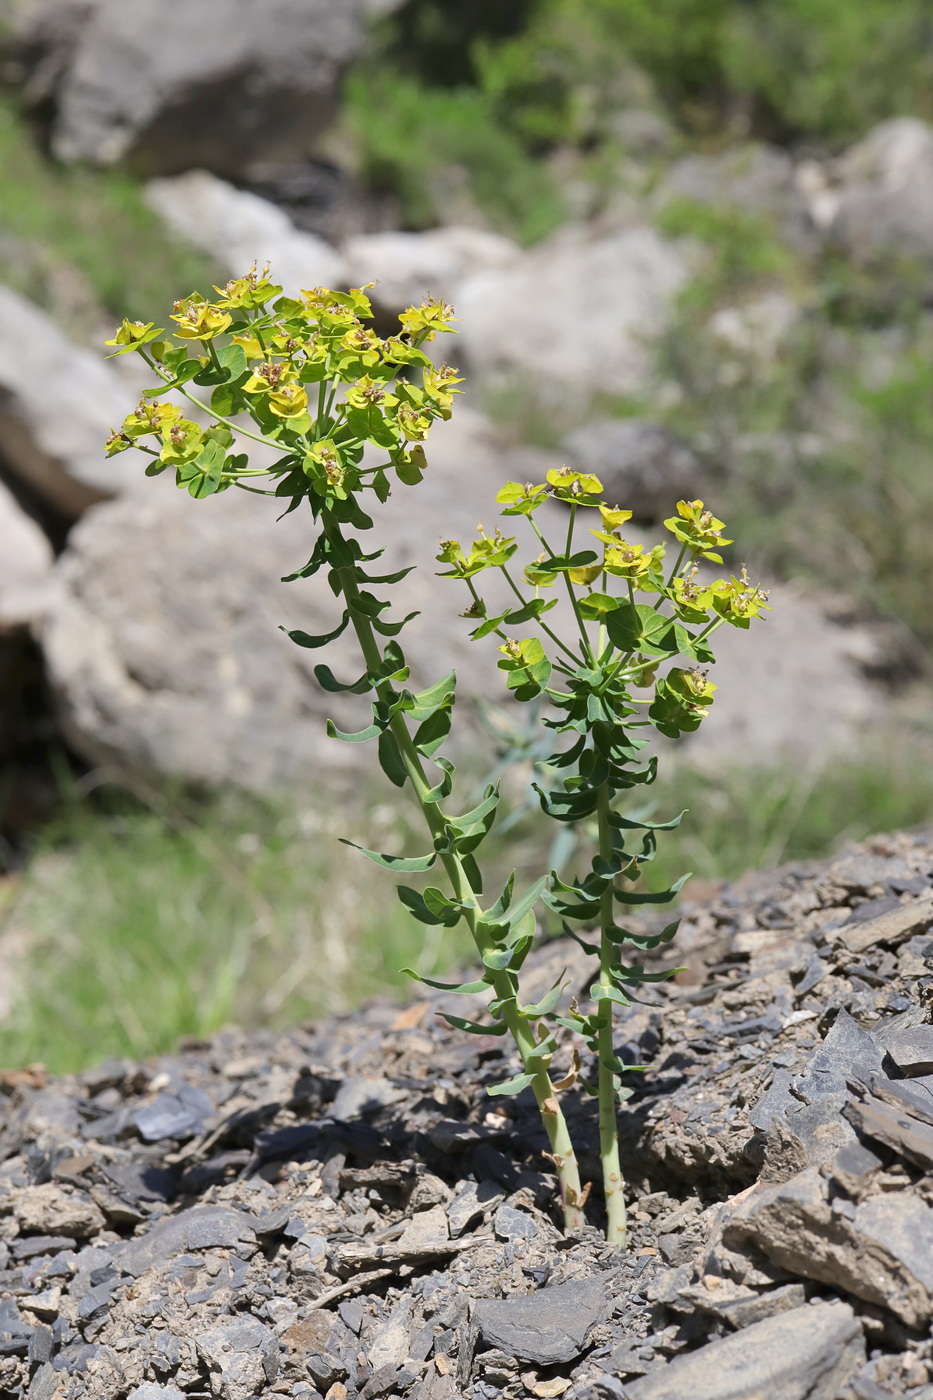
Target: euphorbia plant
{"x":321,"y":387}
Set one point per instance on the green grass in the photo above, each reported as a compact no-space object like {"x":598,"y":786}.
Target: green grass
{"x":82,"y":242}
{"x":131,"y":929}
{"x":140,"y":927}
{"x":750,"y":819}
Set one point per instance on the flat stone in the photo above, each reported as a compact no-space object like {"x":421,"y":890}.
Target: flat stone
{"x":547,"y":1327}
{"x":243,"y":1355}
{"x":911,"y":1050}
{"x":808,"y":1353}
{"x":880,"y":1250}
{"x":201,"y":1227}
{"x":51,"y":1210}
{"x":510,"y":1224}
{"x":358,"y":1096}
{"x":911,"y":1139}
{"x":472,"y":1200}
{"x":179,"y":1114}
{"x":892,"y":928}
{"x":150,"y":1391}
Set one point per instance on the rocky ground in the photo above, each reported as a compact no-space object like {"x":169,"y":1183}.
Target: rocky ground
{"x":343,"y":1211}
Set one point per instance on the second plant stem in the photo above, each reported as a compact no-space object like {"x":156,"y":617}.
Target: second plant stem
{"x":613,"y":1185}
{"x":555,"y":1124}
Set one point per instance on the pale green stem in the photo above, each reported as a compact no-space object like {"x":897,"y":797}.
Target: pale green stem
{"x":555,"y":1125}
{"x":613,"y":1185}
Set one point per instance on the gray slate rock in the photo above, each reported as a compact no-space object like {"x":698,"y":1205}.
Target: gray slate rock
{"x":150,"y":1391}
{"x":242,"y":1354}
{"x":802,"y":1117}
{"x":880,"y":1250}
{"x":912,"y":1050}
{"x":644,"y":467}
{"x":57,"y":405}
{"x":178,"y":1114}
{"x":806,"y":1354}
{"x":201,"y":1227}
{"x":884,"y":205}
{"x":547,"y":1327}
{"x":170,"y":85}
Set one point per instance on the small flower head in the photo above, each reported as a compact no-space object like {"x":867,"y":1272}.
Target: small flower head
{"x":425,"y":321}
{"x":737,"y":600}
{"x":288,"y":401}
{"x":249,"y":292}
{"x":133,"y":335}
{"x":197,"y":319}
{"x":568,"y":485}
{"x":698,"y":529}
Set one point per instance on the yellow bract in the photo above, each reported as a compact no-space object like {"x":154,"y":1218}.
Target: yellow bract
{"x":199,"y":320}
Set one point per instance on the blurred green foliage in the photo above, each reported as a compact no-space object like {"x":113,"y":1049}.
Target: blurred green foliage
{"x":493,"y":88}
{"x":83,"y":242}
{"x":132,"y":927}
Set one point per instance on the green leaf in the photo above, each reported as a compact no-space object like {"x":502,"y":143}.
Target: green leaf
{"x":508,"y":959}
{"x":444,"y":907}
{"x":474,"y":1027}
{"x":328,"y":681}
{"x":443,"y":788}
{"x":526,"y":904}
{"x":392,"y":629}
{"x":473,"y":873}
{"x":630,"y":824}
{"x":597,"y":604}
{"x":495,"y":911}
{"x":515,"y":1085}
{"x":422,"y":911}
{"x":600,"y":993}
{"x":547,"y":1002}
{"x":638,"y":627}
{"x":437,"y":693}
{"x":431,"y":734}
{"x":660,"y":897}
{"x":303,"y":639}
{"x":390,"y":760}
{"x":403,"y":865}
{"x":359,"y":737}
{"x":233,"y":359}
{"x":461,"y":988}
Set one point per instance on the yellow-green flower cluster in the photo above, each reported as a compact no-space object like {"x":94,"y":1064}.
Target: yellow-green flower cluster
{"x":310,"y":371}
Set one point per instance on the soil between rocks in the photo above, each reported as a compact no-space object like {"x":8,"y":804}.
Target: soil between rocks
{"x":343,"y":1211}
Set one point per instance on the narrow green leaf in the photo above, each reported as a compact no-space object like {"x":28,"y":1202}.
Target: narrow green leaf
{"x":460,"y":988}
{"x":390,"y":760}
{"x":444,"y":787}
{"x":548,"y":1002}
{"x":474,"y":1027}
{"x":526,"y":904}
{"x":402,"y":865}
{"x":515,"y":1085}
{"x":601,"y":993}
{"x":304,"y":639}
{"x":419,"y":907}
{"x":660,"y":897}
{"x":392,"y":629}
{"x":328,"y":681}
{"x":359,"y":737}
{"x":616,"y":819}
{"x":431,"y":734}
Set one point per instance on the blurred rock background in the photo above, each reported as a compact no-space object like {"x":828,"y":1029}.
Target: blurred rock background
{"x":692,"y":250}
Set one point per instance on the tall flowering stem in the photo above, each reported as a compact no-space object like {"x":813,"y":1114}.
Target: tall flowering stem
{"x":598,"y":719}
{"x":319,"y":387}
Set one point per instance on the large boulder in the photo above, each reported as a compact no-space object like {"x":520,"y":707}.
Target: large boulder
{"x":25,"y":564}
{"x":238,"y":228}
{"x":884,"y":193}
{"x":576,"y":315}
{"x":170,"y":84}
{"x":163,"y":643}
{"x":755,"y":178}
{"x":57,"y":404}
{"x":407,"y":267}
